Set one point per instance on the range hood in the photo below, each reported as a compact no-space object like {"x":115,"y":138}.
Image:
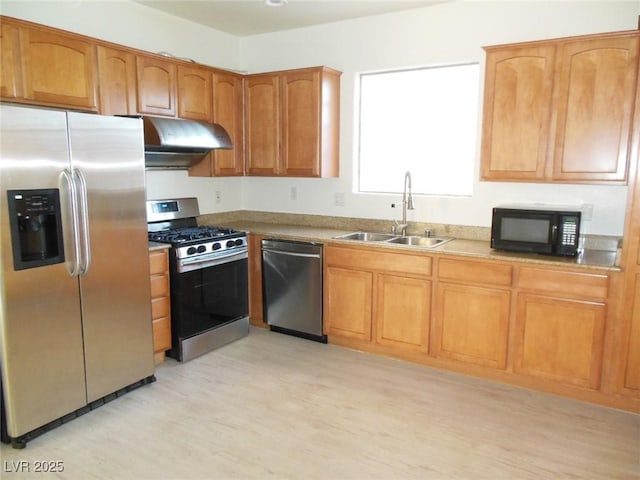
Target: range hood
{"x":177,"y":144}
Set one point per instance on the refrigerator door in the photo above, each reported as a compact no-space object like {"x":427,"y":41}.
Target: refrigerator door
{"x":107,"y":158}
{"x":40,"y":326}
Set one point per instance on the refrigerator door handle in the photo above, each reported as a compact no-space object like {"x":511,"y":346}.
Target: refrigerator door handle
{"x":83,"y":216}
{"x":73,"y":267}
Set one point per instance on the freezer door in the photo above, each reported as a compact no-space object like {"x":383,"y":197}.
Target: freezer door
{"x":107,"y":158}
{"x":40,"y":328}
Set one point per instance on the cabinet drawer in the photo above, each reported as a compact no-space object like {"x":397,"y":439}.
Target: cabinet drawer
{"x":483,"y":273}
{"x":562,"y":283}
{"x":158,"y":262}
{"x":159,"y":286}
{"x":364,"y":259}
{"x":160,"y":307}
{"x":161,"y":334}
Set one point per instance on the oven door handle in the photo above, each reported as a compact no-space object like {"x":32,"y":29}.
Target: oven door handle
{"x":203,"y":261}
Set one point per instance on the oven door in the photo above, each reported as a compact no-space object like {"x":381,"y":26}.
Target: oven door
{"x":207,"y":298}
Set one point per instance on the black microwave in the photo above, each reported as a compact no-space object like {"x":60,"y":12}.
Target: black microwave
{"x":549,"y":230}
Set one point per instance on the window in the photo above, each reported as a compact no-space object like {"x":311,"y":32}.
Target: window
{"x":422,"y":120}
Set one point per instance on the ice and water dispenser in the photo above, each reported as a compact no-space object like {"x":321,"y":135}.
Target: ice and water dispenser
{"x":36,"y":227}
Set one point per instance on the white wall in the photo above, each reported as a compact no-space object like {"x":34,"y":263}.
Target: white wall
{"x":446,"y":33}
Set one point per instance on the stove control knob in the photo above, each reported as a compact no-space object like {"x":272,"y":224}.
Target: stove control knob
{"x":216,"y":246}
{"x":191,"y":250}
{"x":230,"y":243}
{"x":239,"y":242}
{"x":202,"y":249}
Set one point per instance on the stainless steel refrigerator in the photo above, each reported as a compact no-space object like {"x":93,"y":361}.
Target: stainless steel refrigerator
{"x":75,"y":312}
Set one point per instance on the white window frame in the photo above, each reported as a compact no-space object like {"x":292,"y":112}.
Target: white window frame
{"x":393,"y":161}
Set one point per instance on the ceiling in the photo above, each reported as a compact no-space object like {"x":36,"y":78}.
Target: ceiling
{"x":252,"y":17}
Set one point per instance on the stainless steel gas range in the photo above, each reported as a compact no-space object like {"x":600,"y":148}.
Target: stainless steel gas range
{"x":209,"y":278}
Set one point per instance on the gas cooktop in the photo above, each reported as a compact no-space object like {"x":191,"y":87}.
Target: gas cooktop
{"x":192,"y":235}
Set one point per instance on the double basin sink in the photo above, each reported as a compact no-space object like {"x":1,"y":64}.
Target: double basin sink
{"x":414,"y":240}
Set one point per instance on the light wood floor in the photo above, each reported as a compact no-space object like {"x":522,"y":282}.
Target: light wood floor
{"x":274,"y":406}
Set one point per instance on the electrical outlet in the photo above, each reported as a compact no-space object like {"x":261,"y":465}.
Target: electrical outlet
{"x":218,"y":196}
{"x":338,"y":199}
{"x":294,"y":193}
{"x":587,"y":211}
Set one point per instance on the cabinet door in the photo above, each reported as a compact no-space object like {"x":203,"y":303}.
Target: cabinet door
{"x":301,"y":123}
{"x":596,"y":84}
{"x":117,"y":79}
{"x":471,"y":324}
{"x":256,"y":311}
{"x":228,"y":112}
{"x":403,"y":312}
{"x":632,"y":372}
{"x":59,"y":69}
{"x":160,"y":301}
{"x":156,"y":86}
{"x":517,"y":112}
{"x":194,"y":93}
{"x":10,"y":66}
{"x":262,"y":121}
{"x":348,"y":303}
{"x":560,"y":340}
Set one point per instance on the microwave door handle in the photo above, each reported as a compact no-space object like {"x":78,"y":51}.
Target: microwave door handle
{"x":554,"y":234}
{"x":73,"y":267}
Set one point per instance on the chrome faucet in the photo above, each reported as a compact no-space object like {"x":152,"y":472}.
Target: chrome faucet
{"x":407,"y":203}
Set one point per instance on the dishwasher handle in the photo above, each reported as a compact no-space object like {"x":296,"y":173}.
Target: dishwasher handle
{"x":292,"y":248}
{"x":291,"y":254}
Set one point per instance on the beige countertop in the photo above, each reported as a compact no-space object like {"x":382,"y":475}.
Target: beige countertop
{"x":158,"y":246}
{"x":598,"y":259}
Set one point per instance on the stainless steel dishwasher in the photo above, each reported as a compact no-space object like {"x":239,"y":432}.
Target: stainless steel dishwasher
{"x":292,"y":287}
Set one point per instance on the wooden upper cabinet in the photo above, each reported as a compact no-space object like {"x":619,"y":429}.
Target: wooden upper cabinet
{"x":262,"y":124}
{"x":596,"y":84}
{"x":156,"y":82}
{"x":301,"y":97}
{"x":58,"y":69}
{"x":292,"y":123}
{"x":10,"y":64}
{"x":117,"y":80}
{"x":310,"y":122}
{"x":194,"y":93}
{"x":228,"y":112}
{"x":517,"y":112}
{"x":560,"y":110}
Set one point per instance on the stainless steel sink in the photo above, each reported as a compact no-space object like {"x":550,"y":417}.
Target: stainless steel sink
{"x":429,"y":242}
{"x":413,"y":240}
{"x":366,"y":236}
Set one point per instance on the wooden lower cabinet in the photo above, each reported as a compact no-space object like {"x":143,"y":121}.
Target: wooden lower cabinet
{"x":472,"y":311}
{"x":403,"y":312}
{"x":559,"y":339}
{"x":160,"y":302}
{"x":632,"y":366}
{"x":256,"y":311}
{"x":543,"y":327}
{"x":369,"y":298}
{"x":560,"y":325}
{"x":472,"y":324}
{"x":348,"y":303}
